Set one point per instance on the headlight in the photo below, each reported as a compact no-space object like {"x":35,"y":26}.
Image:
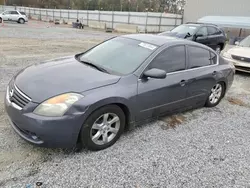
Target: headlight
{"x":227,"y":55}
{"x":57,"y":106}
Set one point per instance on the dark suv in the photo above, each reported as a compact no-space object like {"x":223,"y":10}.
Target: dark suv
{"x":208,"y":34}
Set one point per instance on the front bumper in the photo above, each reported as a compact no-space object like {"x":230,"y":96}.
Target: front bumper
{"x":59,"y":132}
{"x":239,"y":65}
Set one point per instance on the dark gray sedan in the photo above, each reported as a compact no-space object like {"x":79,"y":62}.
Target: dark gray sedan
{"x":91,"y":98}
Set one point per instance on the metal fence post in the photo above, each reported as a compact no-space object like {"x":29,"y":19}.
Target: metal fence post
{"x":87,"y":17}
{"x":146,"y":24}
{"x":53,"y":14}
{"x":128,"y":17}
{"x":160,"y":22}
{"x":60,"y":14}
{"x":68,"y":16}
{"x":175,"y":23}
{"x":112,"y":19}
{"x":99,"y":16}
{"x":40,"y":15}
{"x":77,"y":13}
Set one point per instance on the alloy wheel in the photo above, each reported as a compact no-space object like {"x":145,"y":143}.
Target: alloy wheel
{"x":105,"y":128}
{"x":216,"y":93}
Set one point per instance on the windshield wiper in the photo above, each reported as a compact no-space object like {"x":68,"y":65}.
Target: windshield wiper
{"x":95,"y":66}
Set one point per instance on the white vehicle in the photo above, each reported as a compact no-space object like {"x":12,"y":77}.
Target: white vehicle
{"x":13,"y":15}
{"x":240,"y":55}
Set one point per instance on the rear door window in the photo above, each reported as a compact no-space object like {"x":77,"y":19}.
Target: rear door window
{"x":200,"y":57}
{"x":213,"y":31}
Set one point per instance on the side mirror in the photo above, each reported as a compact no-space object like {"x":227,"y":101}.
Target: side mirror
{"x":237,"y":43}
{"x":155,"y":73}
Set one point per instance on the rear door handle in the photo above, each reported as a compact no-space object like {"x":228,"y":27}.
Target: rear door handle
{"x":183,"y":82}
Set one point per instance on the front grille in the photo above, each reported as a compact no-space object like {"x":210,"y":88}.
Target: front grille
{"x":239,"y":58}
{"x":17,"y":97}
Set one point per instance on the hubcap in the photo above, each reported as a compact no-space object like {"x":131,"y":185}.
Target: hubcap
{"x":215,"y":94}
{"x":21,"y":21}
{"x":105,"y":128}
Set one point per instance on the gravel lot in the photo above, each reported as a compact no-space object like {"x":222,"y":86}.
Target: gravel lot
{"x":200,"y":148}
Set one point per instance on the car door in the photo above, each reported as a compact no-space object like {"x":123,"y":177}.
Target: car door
{"x":213,"y":35}
{"x":14,"y":16}
{"x":201,"y":36}
{"x":202,"y":74}
{"x":159,"y":96}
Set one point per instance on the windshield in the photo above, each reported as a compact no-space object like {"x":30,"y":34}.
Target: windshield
{"x":245,"y":42}
{"x":119,"y":55}
{"x":184,"y":29}
{"x":23,"y":13}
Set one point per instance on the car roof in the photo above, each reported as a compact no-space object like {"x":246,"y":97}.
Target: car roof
{"x":157,"y":40}
{"x":160,"y":40}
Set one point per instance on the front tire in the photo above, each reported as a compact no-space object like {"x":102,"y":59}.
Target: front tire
{"x":1,"y":20}
{"x":21,"y":21}
{"x":103,"y":128}
{"x":218,"y":49}
{"x":216,"y":94}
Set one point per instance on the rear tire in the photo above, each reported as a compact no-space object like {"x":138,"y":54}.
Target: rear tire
{"x":216,"y":94}
{"x":103,"y":128}
{"x":1,"y":20}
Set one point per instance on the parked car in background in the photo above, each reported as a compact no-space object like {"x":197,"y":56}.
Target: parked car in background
{"x":240,"y":55}
{"x":90,"y":98}
{"x":207,"y":34}
{"x":14,"y":16}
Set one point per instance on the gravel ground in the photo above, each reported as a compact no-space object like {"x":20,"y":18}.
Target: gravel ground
{"x":200,"y":148}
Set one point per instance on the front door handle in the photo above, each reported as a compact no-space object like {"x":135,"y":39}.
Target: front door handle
{"x":214,"y":73}
{"x":183,"y":83}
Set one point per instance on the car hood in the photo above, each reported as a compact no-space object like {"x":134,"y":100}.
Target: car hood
{"x":240,"y":51}
{"x":47,"y":79}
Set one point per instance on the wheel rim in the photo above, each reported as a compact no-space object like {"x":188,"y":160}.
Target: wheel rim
{"x":105,"y":128}
{"x":218,"y":50}
{"x":21,"y":21}
{"x":215,"y":94}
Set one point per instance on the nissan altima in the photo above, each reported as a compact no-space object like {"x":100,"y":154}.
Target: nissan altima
{"x":92,"y":97}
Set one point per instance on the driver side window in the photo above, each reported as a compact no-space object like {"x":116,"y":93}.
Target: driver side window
{"x":202,"y":31}
{"x":172,"y":59}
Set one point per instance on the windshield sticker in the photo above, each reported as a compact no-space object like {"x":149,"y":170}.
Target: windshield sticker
{"x":148,"y":46}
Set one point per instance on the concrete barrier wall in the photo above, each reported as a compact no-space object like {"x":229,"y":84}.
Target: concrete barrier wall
{"x":144,"y":21}
{"x":97,"y":25}
{"x":126,"y":28}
